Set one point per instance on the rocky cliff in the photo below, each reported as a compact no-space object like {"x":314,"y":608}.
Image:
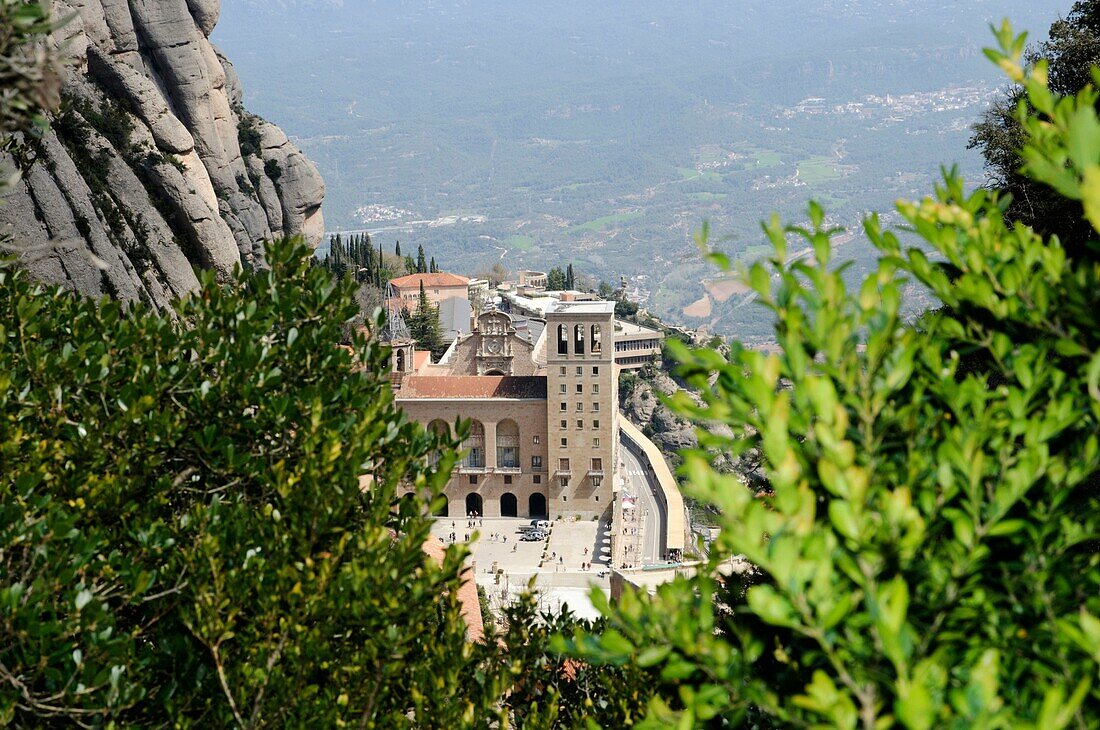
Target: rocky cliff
{"x":152,"y":166}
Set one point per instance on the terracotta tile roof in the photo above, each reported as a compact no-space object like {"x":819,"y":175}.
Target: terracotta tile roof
{"x":412,"y":281}
{"x":420,"y":359}
{"x":467,"y":593}
{"x":473,"y":386}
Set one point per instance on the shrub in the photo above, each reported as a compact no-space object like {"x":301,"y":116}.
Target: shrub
{"x":273,"y":170}
{"x":183,"y":535}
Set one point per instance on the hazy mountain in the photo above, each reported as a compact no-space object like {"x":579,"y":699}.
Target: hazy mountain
{"x":604,"y":133}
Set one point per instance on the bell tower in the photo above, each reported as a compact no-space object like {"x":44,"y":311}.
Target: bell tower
{"x":396,"y":335}
{"x":582,"y":407}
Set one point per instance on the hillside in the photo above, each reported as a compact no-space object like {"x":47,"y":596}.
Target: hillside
{"x":152,"y":165}
{"x":605,"y":133}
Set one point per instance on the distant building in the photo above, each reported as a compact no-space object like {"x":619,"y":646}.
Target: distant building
{"x":437,"y":287}
{"x":532,"y":279}
{"x":449,"y":292}
{"x":636,"y":345}
{"x":543,"y":440}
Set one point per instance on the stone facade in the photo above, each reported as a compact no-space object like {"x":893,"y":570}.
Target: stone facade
{"x":544,"y":417}
{"x":582,"y":401}
{"x":483,"y":480}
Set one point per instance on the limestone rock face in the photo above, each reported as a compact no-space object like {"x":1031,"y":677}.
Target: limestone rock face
{"x":153,"y":168}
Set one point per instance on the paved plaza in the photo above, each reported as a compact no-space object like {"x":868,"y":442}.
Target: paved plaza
{"x":559,"y":565}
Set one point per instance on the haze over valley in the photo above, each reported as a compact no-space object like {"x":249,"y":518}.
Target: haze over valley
{"x":603,"y":134}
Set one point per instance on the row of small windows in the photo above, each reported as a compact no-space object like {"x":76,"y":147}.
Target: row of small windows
{"x":594,"y":343}
{"x":637,"y":345}
{"x":595,"y":440}
{"x":563,"y":407}
{"x":563,"y":464}
{"x":562,"y":370}
{"x":563,"y":388}
{"x":564,"y":423}
{"x":535,"y":479}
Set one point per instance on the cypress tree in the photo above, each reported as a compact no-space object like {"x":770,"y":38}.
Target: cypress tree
{"x":424,"y":325}
{"x":432,"y":267}
{"x":569,"y":280}
{"x":421,"y":264}
{"x":397,"y":249}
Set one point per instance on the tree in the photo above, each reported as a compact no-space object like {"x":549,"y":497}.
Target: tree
{"x":625,"y":309}
{"x":926,"y":551}
{"x":421,"y":264}
{"x":555,"y":279}
{"x":432,"y":267}
{"x":1071,"y":51}
{"x":606,"y":291}
{"x":424,"y":325}
{"x":397,"y":249}
{"x":184,"y":538}
{"x":570,"y":281}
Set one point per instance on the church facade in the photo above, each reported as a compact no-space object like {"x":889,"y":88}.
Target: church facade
{"x":543,"y":414}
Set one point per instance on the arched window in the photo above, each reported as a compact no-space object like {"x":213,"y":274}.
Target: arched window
{"x":563,"y":340}
{"x":596,"y":338}
{"x":578,"y":339}
{"x":401,"y":361}
{"x":474,"y":446}
{"x":508,"y":444}
{"x":438,"y":426}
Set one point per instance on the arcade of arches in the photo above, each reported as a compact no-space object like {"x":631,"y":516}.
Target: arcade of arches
{"x":503,"y":471}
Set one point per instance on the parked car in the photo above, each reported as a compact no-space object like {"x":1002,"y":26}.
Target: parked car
{"x":541,"y":524}
{"x":533,"y":536}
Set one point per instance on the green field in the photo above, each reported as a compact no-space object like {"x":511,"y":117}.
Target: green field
{"x":767,"y":158}
{"x":520,"y":243}
{"x":690,"y":173}
{"x":817,"y":169}
{"x":607,"y":221}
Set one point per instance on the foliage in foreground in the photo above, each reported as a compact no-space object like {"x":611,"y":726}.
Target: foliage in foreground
{"x":928,"y":555}
{"x":1071,"y":51}
{"x":183,"y":537}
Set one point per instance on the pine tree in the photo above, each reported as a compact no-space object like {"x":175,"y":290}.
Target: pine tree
{"x":421,"y":264}
{"x":555,"y":279}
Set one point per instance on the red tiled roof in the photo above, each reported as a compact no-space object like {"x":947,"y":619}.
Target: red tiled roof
{"x":412,"y":281}
{"x":473,"y":386}
{"x":467,"y":593}
{"x":420,"y":359}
